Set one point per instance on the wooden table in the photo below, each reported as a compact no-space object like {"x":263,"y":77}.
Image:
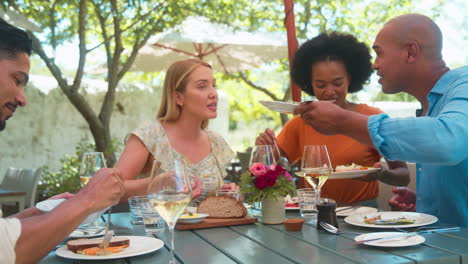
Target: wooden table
{"x":13,"y":196}
{"x":258,"y":243}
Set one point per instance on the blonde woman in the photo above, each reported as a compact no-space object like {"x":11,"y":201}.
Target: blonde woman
{"x":180,"y":132}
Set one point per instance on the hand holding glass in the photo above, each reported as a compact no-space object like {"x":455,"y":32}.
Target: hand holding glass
{"x":170,"y":193}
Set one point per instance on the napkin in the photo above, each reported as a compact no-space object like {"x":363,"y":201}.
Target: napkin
{"x":49,"y":205}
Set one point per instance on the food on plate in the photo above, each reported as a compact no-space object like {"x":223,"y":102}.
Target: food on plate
{"x":377,"y":220}
{"x":351,"y":167}
{"x":87,"y":246}
{"x":222,"y":207}
{"x":189,"y":215}
{"x":291,"y":202}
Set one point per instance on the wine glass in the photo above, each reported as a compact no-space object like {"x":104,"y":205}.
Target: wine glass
{"x":316,"y":167}
{"x":170,"y":193}
{"x":262,"y":154}
{"x":91,"y":162}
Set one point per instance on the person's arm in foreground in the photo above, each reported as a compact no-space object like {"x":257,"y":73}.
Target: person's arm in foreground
{"x":40,"y":234}
{"x":330,"y":119}
{"x":411,"y":139}
{"x":33,"y":211}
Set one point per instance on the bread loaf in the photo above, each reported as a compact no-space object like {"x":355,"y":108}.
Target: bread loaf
{"x":82,"y":243}
{"x":222,"y":207}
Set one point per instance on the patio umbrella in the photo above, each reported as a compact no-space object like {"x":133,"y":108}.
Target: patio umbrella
{"x":225,"y":49}
{"x":16,"y":19}
{"x":292,"y":43}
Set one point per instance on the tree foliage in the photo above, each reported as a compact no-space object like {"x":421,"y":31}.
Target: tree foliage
{"x":114,"y":26}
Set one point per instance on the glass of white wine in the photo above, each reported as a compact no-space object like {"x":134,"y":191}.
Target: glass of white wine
{"x":91,"y":162}
{"x":169,"y":194}
{"x":315,"y":167}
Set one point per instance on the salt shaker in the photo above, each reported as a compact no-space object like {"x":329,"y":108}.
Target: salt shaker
{"x":327,"y":214}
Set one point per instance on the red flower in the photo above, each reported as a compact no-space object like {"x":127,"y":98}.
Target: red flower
{"x":267,"y":179}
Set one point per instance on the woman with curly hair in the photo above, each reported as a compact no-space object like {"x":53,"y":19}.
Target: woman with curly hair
{"x":329,"y":67}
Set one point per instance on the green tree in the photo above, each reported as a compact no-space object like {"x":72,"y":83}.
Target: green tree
{"x":120,"y":28}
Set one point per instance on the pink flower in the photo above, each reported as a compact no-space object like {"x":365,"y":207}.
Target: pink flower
{"x":287,"y":176}
{"x":257,"y":169}
{"x":273,"y":167}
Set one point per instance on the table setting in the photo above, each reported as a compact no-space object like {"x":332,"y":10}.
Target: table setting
{"x":296,"y":238}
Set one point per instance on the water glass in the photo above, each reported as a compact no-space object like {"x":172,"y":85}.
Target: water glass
{"x":229,"y":193}
{"x":152,"y":221}
{"x":307,"y":204}
{"x":135,"y":204}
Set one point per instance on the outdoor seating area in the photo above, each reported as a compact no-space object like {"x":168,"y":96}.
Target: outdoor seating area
{"x":186,"y":132}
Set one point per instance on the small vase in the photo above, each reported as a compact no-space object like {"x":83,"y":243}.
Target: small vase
{"x":273,"y":211}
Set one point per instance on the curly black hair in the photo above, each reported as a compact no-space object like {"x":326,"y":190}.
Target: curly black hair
{"x":334,"y":46}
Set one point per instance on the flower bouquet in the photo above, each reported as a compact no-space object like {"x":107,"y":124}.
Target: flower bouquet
{"x":265,"y":182}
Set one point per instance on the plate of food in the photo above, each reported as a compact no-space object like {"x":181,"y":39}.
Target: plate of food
{"x":280,"y":106}
{"x":351,"y":171}
{"x":119,"y":247}
{"x":191,"y":218}
{"x":396,"y":241}
{"x":350,"y":210}
{"x":391,"y":219}
{"x":292,"y":203}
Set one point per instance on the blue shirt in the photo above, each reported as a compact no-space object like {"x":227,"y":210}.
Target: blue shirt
{"x":438,"y":143}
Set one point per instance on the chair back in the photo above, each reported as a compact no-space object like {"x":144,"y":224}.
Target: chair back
{"x":24,"y":180}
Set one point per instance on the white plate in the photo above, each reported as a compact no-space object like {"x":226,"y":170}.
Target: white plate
{"x":192,"y":220}
{"x":395,"y":242}
{"x":352,"y":174}
{"x":280,"y":106}
{"x":139,"y":245}
{"x":362,"y":210}
{"x":421,"y":219}
{"x":49,"y":205}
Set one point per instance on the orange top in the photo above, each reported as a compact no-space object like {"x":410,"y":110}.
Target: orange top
{"x":342,"y":150}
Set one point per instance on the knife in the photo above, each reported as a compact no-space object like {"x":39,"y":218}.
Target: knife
{"x":409,"y":234}
{"x":386,"y":237}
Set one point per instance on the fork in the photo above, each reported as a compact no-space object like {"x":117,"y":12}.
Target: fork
{"x":108,"y":233}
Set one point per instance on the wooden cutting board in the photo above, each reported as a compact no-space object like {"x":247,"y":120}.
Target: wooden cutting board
{"x":217,"y":222}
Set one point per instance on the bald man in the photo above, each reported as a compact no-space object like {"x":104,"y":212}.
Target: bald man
{"x":409,"y":60}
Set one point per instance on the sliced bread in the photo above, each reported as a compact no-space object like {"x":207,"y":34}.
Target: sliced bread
{"x":82,"y":243}
{"x":222,"y":207}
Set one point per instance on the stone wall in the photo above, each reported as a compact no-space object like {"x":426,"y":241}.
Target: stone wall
{"x":49,"y":127}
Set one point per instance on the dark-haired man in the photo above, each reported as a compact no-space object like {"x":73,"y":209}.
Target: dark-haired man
{"x":30,"y":235}
{"x":409,"y":59}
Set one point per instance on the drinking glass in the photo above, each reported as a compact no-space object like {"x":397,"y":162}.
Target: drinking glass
{"x":307,"y":204}
{"x":316,"y":167}
{"x":170,"y":193}
{"x":91,"y":162}
{"x":262,"y":154}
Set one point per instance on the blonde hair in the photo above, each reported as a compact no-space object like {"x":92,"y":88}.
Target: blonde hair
{"x":176,"y":80}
